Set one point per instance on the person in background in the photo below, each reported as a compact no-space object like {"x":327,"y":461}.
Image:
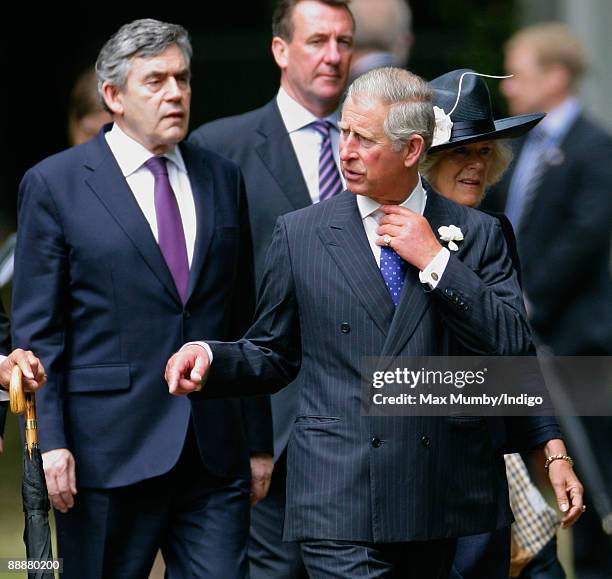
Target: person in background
{"x":557,"y":196}
{"x":127,"y":246}
{"x":383,"y":34}
{"x":86,"y":114}
{"x":288,"y":154}
{"x":462,"y":164}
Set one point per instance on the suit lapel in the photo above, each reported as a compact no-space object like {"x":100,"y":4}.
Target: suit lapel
{"x":109,"y":185}
{"x":277,"y":153}
{"x":202,"y":186}
{"x":345,"y":239}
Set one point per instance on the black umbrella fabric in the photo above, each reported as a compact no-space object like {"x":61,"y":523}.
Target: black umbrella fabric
{"x":37,"y":534}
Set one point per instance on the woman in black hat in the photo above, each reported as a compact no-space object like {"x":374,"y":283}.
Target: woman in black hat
{"x":466,"y":157}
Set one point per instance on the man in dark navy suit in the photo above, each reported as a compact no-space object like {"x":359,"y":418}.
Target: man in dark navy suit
{"x":278,"y":151}
{"x":128,"y":245}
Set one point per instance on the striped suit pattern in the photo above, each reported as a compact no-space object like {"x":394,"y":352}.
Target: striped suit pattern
{"x":323,"y":307}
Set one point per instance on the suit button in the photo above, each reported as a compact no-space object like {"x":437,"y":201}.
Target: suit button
{"x":186,"y":314}
{"x":376,"y":442}
{"x":345,"y":328}
{"x":425,"y":441}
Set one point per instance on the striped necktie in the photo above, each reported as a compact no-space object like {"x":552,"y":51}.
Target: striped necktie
{"x":330,"y":183}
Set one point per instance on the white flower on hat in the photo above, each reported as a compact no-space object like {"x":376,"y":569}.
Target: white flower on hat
{"x":451,"y":233}
{"x":442,"y":130}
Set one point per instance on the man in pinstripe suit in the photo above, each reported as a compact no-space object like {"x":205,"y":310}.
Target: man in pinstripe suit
{"x":380,"y":496}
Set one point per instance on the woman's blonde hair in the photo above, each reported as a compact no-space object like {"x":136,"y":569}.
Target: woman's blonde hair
{"x":500,"y":159}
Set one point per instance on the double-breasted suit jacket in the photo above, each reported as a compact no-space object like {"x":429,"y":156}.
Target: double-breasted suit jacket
{"x":324,"y":307}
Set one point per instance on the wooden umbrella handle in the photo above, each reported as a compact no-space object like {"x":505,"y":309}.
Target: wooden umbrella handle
{"x":24,"y":403}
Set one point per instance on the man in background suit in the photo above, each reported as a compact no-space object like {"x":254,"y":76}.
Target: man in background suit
{"x":557,"y":195}
{"x":363,"y":274}
{"x":383,"y":35}
{"x":33,"y":370}
{"x":278,"y":150}
{"x":128,"y":245}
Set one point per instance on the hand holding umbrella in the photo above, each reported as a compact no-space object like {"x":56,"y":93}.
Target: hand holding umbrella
{"x":37,"y":534}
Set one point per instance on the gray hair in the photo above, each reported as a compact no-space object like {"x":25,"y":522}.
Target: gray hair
{"x":145,"y":37}
{"x":501,"y":155}
{"x":409,"y":96}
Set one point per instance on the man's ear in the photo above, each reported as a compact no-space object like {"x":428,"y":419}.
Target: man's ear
{"x":558,"y":78}
{"x":413,"y":149}
{"x":112,"y":98}
{"x":280,"y":51}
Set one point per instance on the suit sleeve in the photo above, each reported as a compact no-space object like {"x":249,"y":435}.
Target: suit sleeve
{"x":256,"y":412}
{"x":5,"y":332}
{"x":484,"y":306}
{"x":39,"y":288}
{"x":269,"y":356}
{"x":5,"y":346}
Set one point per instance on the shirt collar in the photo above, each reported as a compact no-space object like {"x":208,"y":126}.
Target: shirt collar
{"x":415,"y":202}
{"x":131,"y":155}
{"x":558,"y":120}
{"x":295,"y":116}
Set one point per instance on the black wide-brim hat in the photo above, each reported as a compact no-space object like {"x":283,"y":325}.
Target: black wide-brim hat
{"x":472,"y":116}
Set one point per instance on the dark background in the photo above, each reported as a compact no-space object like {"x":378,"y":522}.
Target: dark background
{"x":232,"y":68}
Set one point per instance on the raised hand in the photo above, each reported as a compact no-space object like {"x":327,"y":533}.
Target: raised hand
{"x":409,"y":234}
{"x":186,"y":370}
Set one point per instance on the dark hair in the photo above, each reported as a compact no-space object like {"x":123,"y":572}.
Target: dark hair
{"x":282,"y":24}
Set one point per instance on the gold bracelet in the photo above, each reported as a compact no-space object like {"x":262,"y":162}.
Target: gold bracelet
{"x":554,"y":457}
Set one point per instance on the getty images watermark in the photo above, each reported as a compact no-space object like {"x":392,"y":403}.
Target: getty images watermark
{"x":437,"y":380}
{"x":487,"y":386}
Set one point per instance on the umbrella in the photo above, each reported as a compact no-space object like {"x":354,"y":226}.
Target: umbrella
{"x":37,"y":534}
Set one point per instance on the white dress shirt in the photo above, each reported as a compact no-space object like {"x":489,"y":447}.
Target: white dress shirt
{"x":131,"y":157}
{"x":306,"y":140}
{"x":370,"y":214}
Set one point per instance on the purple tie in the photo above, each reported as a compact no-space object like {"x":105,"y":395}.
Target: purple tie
{"x":393,"y":269}
{"x":329,"y":178}
{"x":171,"y":237}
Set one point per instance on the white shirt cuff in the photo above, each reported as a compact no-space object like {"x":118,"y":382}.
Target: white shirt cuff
{"x":432,"y":274}
{"x":202,"y":345}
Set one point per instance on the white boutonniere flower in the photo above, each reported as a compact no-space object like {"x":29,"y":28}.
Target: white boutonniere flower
{"x":451,"y":233}
{"x":442,"y":130}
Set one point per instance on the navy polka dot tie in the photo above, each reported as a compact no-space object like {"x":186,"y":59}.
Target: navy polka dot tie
{"x":393,"y":269}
